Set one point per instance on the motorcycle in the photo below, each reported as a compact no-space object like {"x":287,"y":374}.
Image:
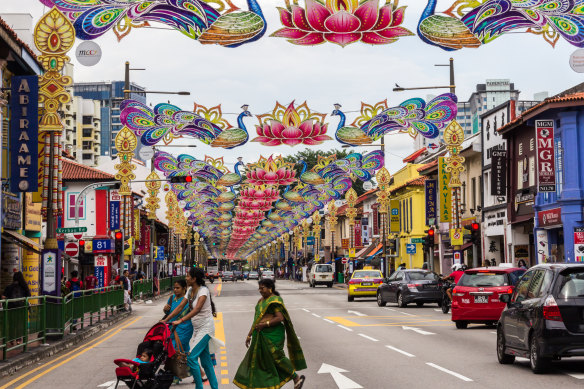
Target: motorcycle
{"x":446,"y":302}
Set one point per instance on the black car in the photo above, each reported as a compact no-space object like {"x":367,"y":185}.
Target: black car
{"x":544,"y":316}
{"x":228,"y":276}
{"x":238,"y":275}
{"x":410,"y":286}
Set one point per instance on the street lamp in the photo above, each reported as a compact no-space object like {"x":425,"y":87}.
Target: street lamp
{"x":452,"y":85}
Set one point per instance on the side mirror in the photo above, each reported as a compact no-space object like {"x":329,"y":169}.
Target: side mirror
{"x":505,"y":298}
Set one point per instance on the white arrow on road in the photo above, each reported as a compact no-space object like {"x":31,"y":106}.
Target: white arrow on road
{"x":341,"y":381}
{"x":419,"y":331}
{"x":111,"y":385}
{"x":357,"y":313}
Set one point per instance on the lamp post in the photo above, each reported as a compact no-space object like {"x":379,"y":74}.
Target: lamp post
{"x":332,"y":222}
{"x":316,"y":233}
{"x":452,"y":85}
{"x":305,"y":234}
{"x":383,"y":178}
{"x":351,"y":213}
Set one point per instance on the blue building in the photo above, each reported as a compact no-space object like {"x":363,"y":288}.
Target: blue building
{"x":558,"y":215}
{"x":111,"y":94}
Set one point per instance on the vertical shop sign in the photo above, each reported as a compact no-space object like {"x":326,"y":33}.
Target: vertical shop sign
{"x":579,"y":244}
{"x":30,"y":269}
{"x":546,"y":170}
{"x":101,"y":270}
{"x":51,"y":272}
{"x":499,"y":172}
{"x":394,"y":219}
{"x":24,"y":134}
{"x":358,"y":242}
{"x":430,"y":201}
{"x":114,"y":217}
{"x":444,"y":192}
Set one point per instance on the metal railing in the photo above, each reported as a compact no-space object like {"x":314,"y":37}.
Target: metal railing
{"x":143,"y":288}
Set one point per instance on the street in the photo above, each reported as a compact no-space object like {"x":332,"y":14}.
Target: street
{"x":346,"y":345}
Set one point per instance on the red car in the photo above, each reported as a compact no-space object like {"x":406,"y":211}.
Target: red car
{"x":475,"y":298}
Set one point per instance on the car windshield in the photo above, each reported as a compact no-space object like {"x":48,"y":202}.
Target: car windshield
{"x":268,"y":273}
{"x":483,"y":279}
{"x":323,"y":269}
{"x":422,"y":275}
{"x":363,"y":274}
{"x":572,"y":285}
{"x":227,"y":273}
{"x":253,"y":273}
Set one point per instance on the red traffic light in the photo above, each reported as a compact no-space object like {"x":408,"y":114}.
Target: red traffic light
{"x":119,"y":235}
{"x":81,"y":243}
{"x":431,"y":232}
{"x":474,"y":226}
{"x":189,"y":179}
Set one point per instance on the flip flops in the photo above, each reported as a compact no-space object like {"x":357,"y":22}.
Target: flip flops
{"x":300,"y":382}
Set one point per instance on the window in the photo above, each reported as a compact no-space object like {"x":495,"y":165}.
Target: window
{"x":531,"y":144}
{"x":71,"y":199}
{"x":87,"y":132}
{"x":531,"y":171}
{"x":520,"y":174}
{"x":411,"y":222}
{"x":520,"y":148}
{"x":87,"y":119}
{"x":473,"y":192}
{"x":522,"y":287}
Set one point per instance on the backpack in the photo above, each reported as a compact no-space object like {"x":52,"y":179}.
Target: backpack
{"x":75,"y":285}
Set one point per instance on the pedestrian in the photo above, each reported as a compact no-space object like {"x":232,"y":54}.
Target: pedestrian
{"x":75,"y":284}
{"x":402,"y":266}
{"x":521,"y":263}
{"x":127,"y":285}
{"x":176,"y":308}
{"x":265,"y":364}
{"x":90,"y":282}
{"x":425,"y":266}
{"x":203,"y":343}
{"x":18,"y":289}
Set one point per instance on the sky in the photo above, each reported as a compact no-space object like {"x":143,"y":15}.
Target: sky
{"x":271,"y":69}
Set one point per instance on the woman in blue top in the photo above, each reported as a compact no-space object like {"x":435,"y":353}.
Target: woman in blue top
{"x":185,"y":329}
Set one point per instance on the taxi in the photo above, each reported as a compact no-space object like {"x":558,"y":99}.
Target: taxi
{"x":364,"y":283}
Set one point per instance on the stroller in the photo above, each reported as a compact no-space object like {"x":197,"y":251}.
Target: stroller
{"x":151,"y":375}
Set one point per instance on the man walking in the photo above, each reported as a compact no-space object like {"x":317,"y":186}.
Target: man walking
{"x":127,"y":285}
{"x":90,"y":282}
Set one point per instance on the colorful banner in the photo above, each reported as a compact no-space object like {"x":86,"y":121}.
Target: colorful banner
{"x":444,"y":191}
{"x":30,"y":268}
{"x":136,"y":224}
{"x":114,"y":217}
{"x":499,"y":172}
{"x":546,"y":158}
{"x":101,"y":270}
{"x":431,"y":186}
{"x":24,"y":134}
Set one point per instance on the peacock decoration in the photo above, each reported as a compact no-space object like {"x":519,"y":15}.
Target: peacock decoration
{"x":167,"y":121}
{"x":222,"y":24}
{"x":472,"y":23}
{"x":413,"y":115}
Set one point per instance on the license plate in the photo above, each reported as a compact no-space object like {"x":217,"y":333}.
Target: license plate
{"x":366,"y":283}
{"x":322,"y":276}
{"x":426,"y":286}
{"x":481,"y":299}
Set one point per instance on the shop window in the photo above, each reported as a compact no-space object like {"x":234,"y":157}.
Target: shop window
{"x":473,"y":199}
{"x":411,"y":222}
{"x":71,"y":199}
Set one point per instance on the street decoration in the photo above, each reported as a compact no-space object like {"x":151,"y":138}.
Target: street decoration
{"x":342,"y":22}
{"x":472,"y":23}
{"x":351,"y":213}
{"x":291,"y":126}
{"x":413,"y":114}
{"x":271,"y":171}
{"x":453,"y":138}
{"x":207,"y":21}
{"x":54,"y":36}
{"x":153,"y":186}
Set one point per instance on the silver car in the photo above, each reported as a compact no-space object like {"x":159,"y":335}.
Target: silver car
{"x":253,"y":275}
{"x":268,"y":275}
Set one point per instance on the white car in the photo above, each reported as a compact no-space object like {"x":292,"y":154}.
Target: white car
{"x":268,"y":274}
{"x":321,"y":274}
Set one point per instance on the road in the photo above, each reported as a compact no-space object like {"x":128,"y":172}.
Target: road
{"x":347,"y":345}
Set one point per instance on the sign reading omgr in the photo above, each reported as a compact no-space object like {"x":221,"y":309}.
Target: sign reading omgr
{"x":546,"y":168}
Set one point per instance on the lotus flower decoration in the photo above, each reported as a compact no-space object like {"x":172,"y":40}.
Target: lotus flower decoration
{"x":265,"y":193}
{"x":271,"y":171}
{"x":291,"y":126}
{"x":342,"y":22}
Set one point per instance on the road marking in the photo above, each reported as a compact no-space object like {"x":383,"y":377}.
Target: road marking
{"x":390,"y":309}
{"x":357,"y":313}
{"x":578,"y":376}
{"x":438,"y":310}
{"x":345,"y":328}
{"x":224,"y":381}
{"x":57,"y":359}
{"x":419,"y":331}
{"x":405,"y":313}
{"x":79,"y":352}
{"x":368,"y":337}
{"x":494,"y":332}
{"x":400,"y":351}
{"x":452,"y":373}
{"x":305,"y":310}
{"x":329,"y":321}
{"x":218,"y":289}
{"x":111,"y":385}
{"x":341,"y":381}
{"x":315,"y":315}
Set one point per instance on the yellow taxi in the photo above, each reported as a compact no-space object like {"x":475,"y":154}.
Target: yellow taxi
{"x":364,"y":283}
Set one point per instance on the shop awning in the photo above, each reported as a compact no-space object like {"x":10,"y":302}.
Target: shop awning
{"x":368,"y":250}
{"x":375,"y":252}
{"x":22,"y":241}
{"x":466,"y":246}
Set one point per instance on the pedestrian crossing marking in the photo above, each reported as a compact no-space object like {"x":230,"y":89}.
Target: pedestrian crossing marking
{"x":223,"y":364}
{"x":224,"y":372}
{"x":224,"y":381}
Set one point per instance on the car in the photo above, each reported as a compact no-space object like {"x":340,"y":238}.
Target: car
{"x":364,"y":283}
{"x":475,"y":298}
{"x":238,"y":275}
{"x":268,"y":274}
{"x":410,"y":286}
{"x":228,"y":276}
{"x":253,"y":275}
{"x":321,"y":274}
{"x":544,"y":317}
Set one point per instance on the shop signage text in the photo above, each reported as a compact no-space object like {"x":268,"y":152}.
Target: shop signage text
{"x":546,"y":170}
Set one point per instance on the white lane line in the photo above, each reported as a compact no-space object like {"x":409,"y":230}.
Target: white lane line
{"x":405,"y":313}
{"x":438,"y":310}
{"x":357,"y":313}
{"x":315,"y":315}
{"x":305,"y":310}
{"x":407,"y":354}
{"x":368,"y":337}
{"x":578,"y":376}
{"x":452,"y":373}
{"x":329,"y":321}
{"x":345,"y":328}
{"x":389,"y":309}
{"x":494,"y":332}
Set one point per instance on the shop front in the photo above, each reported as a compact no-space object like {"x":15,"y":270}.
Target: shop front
{"x":494,"y":242}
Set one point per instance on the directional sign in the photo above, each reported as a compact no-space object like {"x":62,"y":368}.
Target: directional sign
{"x":71,"y":230}
{"x":341,"y":381}
{"x":417,"y":240}
{"x":411,"y":248}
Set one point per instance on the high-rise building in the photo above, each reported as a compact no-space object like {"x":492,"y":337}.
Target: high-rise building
{"x":82,"y":133}
{"x":110,"y":94}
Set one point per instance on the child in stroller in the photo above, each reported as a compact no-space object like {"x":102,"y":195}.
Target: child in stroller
{"x":145,"y":357}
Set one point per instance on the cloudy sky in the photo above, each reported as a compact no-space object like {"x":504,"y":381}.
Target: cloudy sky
{"x":271,"y":69}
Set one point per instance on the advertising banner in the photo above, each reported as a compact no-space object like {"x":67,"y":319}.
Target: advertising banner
{"x":30,"y":269}
{"x":394,"y":219}
{"x":445,"y":202}
{"x":499,"y":172}
{"x":550,"y":217}
{"x":114,"y":214}
{"x":456,"y":237}
{"x":546,"y":168}
{"x":431,"y":186}
{"x":579,"y":244}
{"x":24,"y":134}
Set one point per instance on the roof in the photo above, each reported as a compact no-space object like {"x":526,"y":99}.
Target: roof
{"x":418,"y":181}
{"x":412,"y":157}
{"x":365,"y":195}
{"x":74,"y":171}
{"x":429,"y":166}
{"x":575,"y":99}
{"x":12,"y":34}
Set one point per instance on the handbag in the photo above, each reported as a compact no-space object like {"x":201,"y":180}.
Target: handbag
{"x":178,"y":363}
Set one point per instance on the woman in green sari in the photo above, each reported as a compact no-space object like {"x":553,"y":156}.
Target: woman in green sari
{"x":265,"y":365}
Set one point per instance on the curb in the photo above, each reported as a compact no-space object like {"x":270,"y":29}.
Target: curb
{"x":39,"y":353}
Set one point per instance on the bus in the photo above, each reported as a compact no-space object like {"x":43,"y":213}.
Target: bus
{"x":212,"y":269}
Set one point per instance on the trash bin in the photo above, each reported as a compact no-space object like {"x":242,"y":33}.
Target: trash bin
{"x":341,"y":278}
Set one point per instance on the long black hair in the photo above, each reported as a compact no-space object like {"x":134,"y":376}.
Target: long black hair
{"x":198,"y":275}
{"x":18,"y":278}
{"x":270,"y":284}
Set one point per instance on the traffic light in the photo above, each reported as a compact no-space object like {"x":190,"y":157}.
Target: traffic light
{"x":428,"y":240}
{"x":392,"y":244}
{"x":81,"y":247}
{"x":119,"y":242}
{"x":181,"y":179}
{"x":475,"y":233}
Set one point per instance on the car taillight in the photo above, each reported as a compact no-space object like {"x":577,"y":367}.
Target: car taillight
{"x":354,"y":281}
{"x":457,"y":293}
{"x":551,"y":311}
{"x":413,"y":286}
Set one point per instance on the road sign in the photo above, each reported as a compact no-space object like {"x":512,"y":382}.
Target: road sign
{"x":410,"y":248}
{"x":345,"y":260}
{"x":71,"y":249}
{"x":352,"y":253}
{"x":417,"y":240}
{"x":456,"y":237}
{"x":71,"y":230}
{"x":102,"y":246}
{"x":310,"y":240}
{"x":457,"y":257}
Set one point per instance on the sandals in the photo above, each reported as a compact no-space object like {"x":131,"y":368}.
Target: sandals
{"x":300,"y":382}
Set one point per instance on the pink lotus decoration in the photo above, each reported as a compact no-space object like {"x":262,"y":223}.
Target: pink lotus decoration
{"x":268,"y":194}
{"x":291,"y":126}
{"x":342,"y":22}
{"x":271,"y":172}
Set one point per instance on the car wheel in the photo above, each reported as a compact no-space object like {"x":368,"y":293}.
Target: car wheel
{"x":439,"y":303}
{"x":350,"y":298}
{"x":400,"y":301}
{"x":461,"y":325}
{"x":380,"y":301}
{"x":420,"y":305}
{"x":539,"y":364}
{"x":504,"y":359}
{"x":330,"y":285}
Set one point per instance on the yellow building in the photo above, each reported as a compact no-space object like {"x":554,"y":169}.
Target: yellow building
{"x":408,"y":190}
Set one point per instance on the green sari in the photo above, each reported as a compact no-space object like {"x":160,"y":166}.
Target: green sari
{"x":265,"y":365}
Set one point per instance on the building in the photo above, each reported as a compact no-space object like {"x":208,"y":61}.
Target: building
{"x":110,"y":94}
{"x":82,"y":134}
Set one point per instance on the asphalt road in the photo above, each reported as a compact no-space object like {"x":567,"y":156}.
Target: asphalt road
{"x":347,"y":345}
